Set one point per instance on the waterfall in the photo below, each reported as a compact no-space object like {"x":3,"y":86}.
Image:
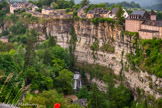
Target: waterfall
{"x":77,"y":81}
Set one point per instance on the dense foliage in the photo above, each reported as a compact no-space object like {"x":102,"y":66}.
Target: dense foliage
{"x":100,"y":72}
{"x":119,"y":16}
{"x":95,"y":46}
{"x":56,"y":4}
{"x":4,"y":9}
{"x":108,"y":47}
{"x":48,"y":99}
{"x":149,"y":58}
{"x":159,"y":15}
{"x":6,"y":47}
{"x":85,"y":2}
{"x":34,"y":67}
{"x":11,"y":83}
{"x":135,"y":35}
{"x":39,"y":72}
{"x":96,"y":21}
{"x":93,"y":6}
{"x":114,"y":97}
{"x":45,"y":70}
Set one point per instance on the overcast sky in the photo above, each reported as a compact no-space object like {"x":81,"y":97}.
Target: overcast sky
{"x":142,"y":2}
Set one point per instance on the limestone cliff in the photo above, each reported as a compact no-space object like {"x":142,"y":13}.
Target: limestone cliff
{"x":87,"y":33}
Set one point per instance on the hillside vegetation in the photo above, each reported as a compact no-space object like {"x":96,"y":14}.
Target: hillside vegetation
{"x":42,"y":72}
{"x":149,"y":57}
{"x":155,"y":7}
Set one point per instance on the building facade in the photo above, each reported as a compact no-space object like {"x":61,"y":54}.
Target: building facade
{"x":14,"y":7}
{"x":145,"y":24}
{"x":34,"y":8}
{"x":98,"y":12}
{"x":151,"y":29}
{"x":104,"y":13}
{"x":134,"y":21}
{"x":20,"y":5}
{"x":81,"y":13}
{"x":113,"y":13}
{"x":47,"y":11}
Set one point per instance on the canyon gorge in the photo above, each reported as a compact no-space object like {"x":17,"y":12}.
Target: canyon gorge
{"x":87,"y":33}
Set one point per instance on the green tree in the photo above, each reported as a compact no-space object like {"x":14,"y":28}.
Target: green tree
{"x":84,"y":93}
{"x":65,"y":80}
{"x":84,"y":2}
{"x":110,"y":87}
{"x":18,"y":28}
{"x":72,"y":47}
{"x":97,"y":99}
{"x":58,"y":65}
{"x":55,"y":5}
{"x":12,"y":88}
{"x":48,"y":99}
{"x":7,"y":64}
{"x":30,"y":53}
{"x":41,"y":82}
{"x":52,"y":41}
{"x":120,"y":15}
{"x":6,"y":47}
{"x":121,"y":97}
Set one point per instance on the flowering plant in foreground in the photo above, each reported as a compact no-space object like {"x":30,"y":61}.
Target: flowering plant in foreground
{"x":57,"y":105}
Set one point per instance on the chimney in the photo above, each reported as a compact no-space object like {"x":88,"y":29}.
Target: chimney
{"x":149,"y":22}
{"x":152,"y":15}
{"x":154,"y":23}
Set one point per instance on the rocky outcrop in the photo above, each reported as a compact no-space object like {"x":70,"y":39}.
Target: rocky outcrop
{"x":87,"y":33}
{"x":57,"y":28}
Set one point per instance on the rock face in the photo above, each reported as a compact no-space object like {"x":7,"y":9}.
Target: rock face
{"x":87,"y":33}
{"x":57,"y":28}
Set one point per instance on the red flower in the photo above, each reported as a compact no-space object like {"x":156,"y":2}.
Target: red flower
{"x":57,"y":105}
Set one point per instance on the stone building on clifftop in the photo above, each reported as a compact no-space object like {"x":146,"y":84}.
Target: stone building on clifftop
{"x":145,"y":24}
{"x":47,"y":10}
{"x":98,"y":12}
{"x":113,"y":13}
{"x":81,"y":12}
{"x":21,"y":5}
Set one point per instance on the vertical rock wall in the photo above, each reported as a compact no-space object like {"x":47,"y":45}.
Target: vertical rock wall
{"x":87,"y":33}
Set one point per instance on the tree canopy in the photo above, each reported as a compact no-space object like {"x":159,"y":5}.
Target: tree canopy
{"x":84,"y":2}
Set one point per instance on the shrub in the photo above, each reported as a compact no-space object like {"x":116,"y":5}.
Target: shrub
{"x":149,"y":58}
{"x":4,"y":33}
{"x":95,"y":46}
{"x":84,"y":93}
{"x":74,"y":14}
{"x":108,"y":48}
{"x":76,"y":18}
{"x":150,"y":84}
{"x":68,"y":10}
{"x":93,"y":6}
{"x":130,"y":33}
{"x":96,"y":21}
